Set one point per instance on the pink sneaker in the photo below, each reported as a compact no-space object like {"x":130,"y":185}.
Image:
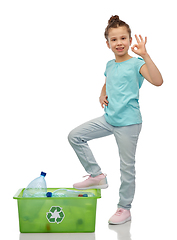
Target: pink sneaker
{"x":120,"y":217}
{"x":98,"y":182}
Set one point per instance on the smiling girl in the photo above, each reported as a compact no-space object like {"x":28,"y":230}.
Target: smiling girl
{"x":124,"y":77}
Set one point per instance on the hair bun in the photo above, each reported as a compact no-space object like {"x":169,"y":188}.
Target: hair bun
{"x":113,"y":19}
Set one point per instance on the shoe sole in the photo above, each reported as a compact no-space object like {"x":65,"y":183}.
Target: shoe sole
{"x":128,"y":219}
{"x":96,"y":187}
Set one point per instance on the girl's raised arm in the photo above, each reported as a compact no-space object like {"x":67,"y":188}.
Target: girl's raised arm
{"x":149,"y":70}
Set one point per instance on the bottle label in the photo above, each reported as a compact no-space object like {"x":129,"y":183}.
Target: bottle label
{"x":55,"y":215}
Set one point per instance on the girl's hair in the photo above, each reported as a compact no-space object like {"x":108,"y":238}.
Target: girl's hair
{"x":115,"y":22}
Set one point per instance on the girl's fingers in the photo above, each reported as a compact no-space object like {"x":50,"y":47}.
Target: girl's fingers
{"x":143,"y":40}
{"x":104,"y":102}
{"x":137,"y":39}
{"x":134,"y":46}
{"x":141,"y":37}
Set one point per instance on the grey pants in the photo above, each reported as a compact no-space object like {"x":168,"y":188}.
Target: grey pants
{"x":126,"y":138}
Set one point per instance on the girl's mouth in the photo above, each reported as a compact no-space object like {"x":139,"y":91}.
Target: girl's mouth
{"x":119,"y":49}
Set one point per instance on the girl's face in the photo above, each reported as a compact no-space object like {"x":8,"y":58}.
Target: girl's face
{"x":119,"y":41}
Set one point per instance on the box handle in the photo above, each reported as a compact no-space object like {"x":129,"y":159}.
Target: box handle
{"x":17,"y":194}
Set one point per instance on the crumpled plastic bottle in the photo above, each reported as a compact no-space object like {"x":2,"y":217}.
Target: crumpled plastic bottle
{"x":36,"y":188}
{"x":69,"y":193}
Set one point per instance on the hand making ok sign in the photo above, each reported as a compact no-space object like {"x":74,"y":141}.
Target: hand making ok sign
{"x":140,"y":48}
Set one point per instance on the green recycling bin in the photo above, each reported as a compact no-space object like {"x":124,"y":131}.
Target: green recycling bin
{"x":57,"y":215}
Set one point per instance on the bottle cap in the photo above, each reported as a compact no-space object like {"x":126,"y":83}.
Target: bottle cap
{"x":49,"y":194}
{"x":43,"y":174}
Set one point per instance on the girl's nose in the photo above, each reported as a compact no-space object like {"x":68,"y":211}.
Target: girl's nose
{"x":119,"y":43}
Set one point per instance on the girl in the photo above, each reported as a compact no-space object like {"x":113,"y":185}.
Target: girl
{"x":119,"y":97}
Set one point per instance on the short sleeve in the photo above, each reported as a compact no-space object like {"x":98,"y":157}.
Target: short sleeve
{"x":105,"y":73}
{"x":108,"y":67}
{"x":139,"y":63}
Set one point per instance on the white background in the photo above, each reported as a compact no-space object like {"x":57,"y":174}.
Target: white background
{"x":52,"y":61}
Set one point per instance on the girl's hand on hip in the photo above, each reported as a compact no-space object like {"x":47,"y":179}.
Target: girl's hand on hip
{"x":140,"y":48}
{"x":103,"y":101}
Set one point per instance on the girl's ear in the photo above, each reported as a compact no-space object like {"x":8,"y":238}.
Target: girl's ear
{"x":130,"y":41}
{"x":107,"y":42}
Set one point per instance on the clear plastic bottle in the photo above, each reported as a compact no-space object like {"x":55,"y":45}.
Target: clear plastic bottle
{"x":60,"y":193}
{"x":36,"y":188}
{"x":69,"y":193}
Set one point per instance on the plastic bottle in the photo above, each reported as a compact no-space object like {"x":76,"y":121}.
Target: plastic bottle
{"x":69,"y":193}
{"x":59,"y":193}
{"x":36,"y":188}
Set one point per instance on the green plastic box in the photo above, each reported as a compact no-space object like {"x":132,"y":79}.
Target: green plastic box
{"x":57,"y":215}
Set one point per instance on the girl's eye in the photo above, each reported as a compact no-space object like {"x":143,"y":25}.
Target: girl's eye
{"x":113,"y":39}
{"x":123,"y":38}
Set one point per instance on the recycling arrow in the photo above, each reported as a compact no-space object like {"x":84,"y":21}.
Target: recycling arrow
{"x":55,"y":215}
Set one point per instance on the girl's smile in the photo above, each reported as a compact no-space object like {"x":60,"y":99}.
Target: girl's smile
{"x":119,"y":49}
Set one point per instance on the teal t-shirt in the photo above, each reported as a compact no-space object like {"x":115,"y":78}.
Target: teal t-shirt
{"x":123,"y":81}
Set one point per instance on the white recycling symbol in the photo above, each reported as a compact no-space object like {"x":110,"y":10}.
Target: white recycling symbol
{"x":55,"y":215}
